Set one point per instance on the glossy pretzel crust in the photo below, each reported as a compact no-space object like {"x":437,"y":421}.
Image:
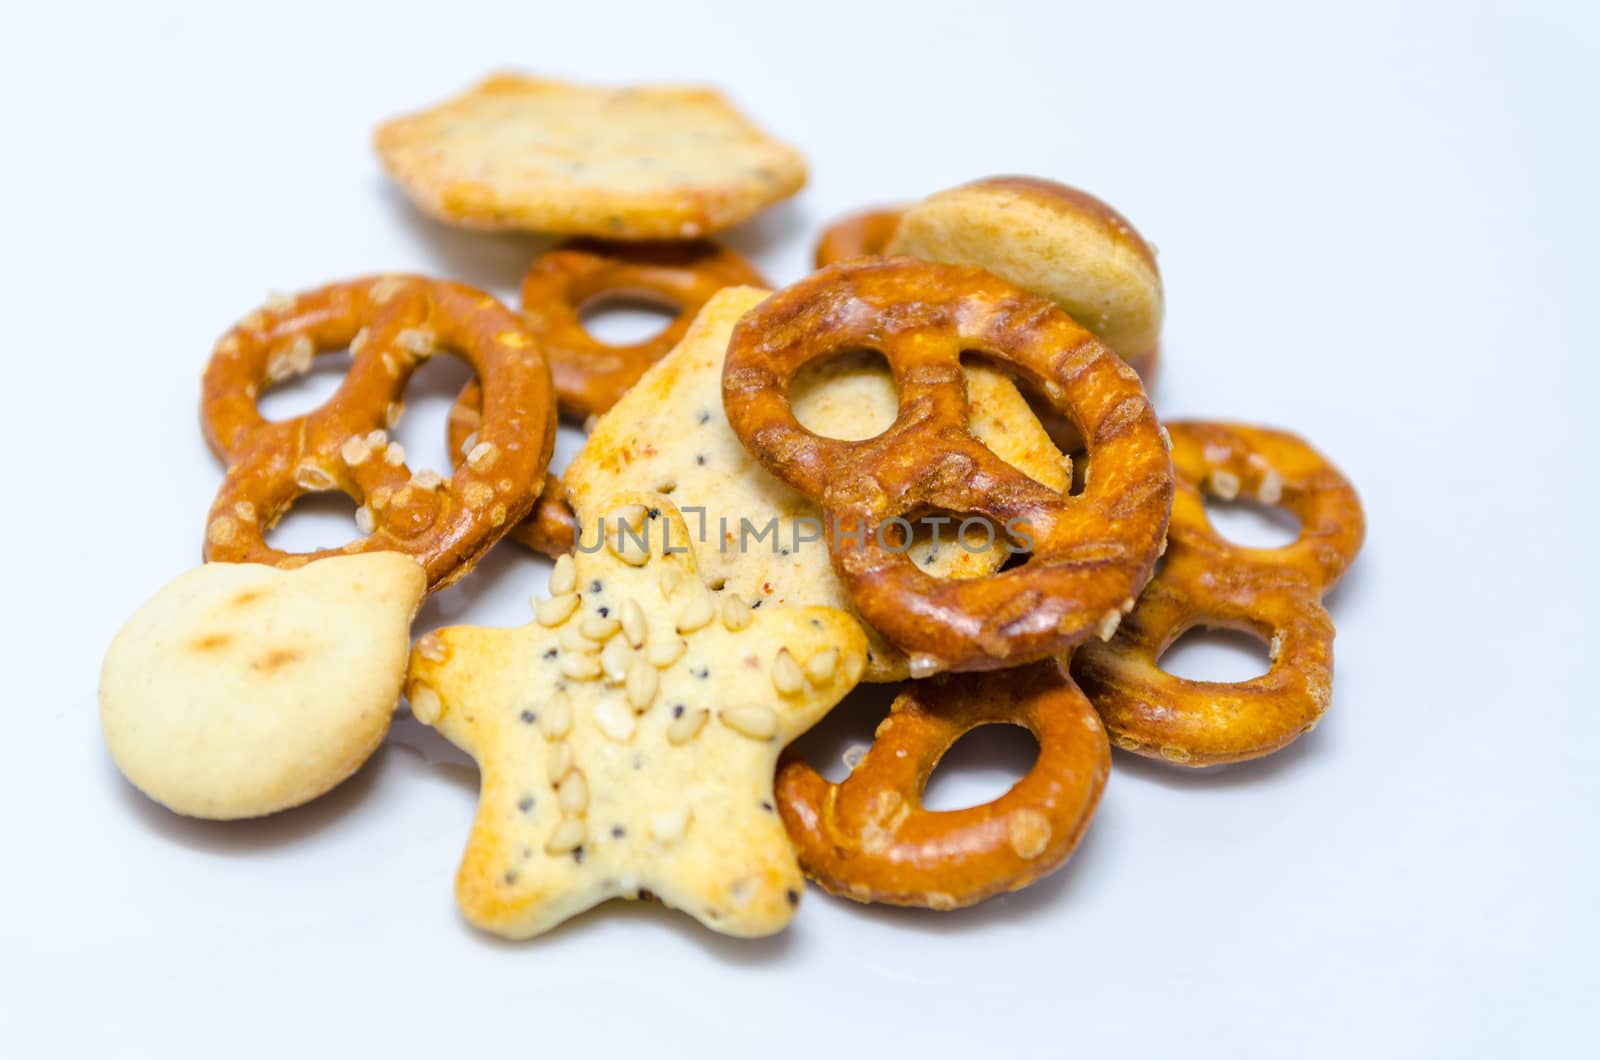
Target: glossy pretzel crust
{"x":1206,"y":581}
{"x":1091,"y":553}
{"x":390,"y":325}
{"x":858,"y":235}
{"x":869,"y":837}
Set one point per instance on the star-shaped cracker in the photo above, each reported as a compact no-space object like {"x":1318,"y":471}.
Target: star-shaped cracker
{"x":627,"y":737}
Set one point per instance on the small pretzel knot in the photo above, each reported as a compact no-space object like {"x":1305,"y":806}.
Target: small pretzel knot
{"x":1090,"y":554}
{"x":869,"y":837}
{"x":390,"y":325}
{"x":858,"y":235}
{"x":590,"y":375}
{"x":1273,"y":594}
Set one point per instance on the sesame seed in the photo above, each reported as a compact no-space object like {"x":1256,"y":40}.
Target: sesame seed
{"x":355,"y":451}
{"x":468,"y":442}
{"x":663,"y":653}
{"x":556,"y":610}
{"x":426,"y":706}
{"x":820,"y":667}
{"x":736,"y":614}
{"x":1225,"y":484}
{"x":580,"y":667}
{"x":221,"y":531}
{"x":786,"y":675}
{"x":572,"y":791}
{"x":615,"y":720}
{"x":313,"y":478}
{"x":431,"y":647}
{"x":614,"y":661}
{"x":573,"y":640}
{"x":386,"y":288}
{"x":1108,"y":625}
{"x":642,"y":683}
{"x":365,"y":521}
{"x":669,"y":826}
{"x":1029,"y":832}
{"x":392,"y":413}
{"x":558,"y":759}
{"x":416,"y":341}
{"x":598,"y":628}
{"x":563,"y":576}
{"x":1271,"y":489}
{"x":567,"y":838}
{"x":696,"y":614}
{"x":301,"y":350}
{"x":686,"y":726}
{"x":756,"y":722}
{"x":1275,"y":647}
{"x":634,"y":626}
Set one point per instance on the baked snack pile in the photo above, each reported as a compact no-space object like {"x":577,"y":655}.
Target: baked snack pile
{"x":932,"y":461}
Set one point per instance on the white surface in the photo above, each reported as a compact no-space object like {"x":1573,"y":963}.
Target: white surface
{"x":1376,"y":227}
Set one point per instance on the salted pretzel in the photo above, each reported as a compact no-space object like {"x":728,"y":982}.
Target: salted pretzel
{"x":858,"y":235}
{"x":1205,"y":581}
{"x":591,"y":375}
{"x":390,"y":324}
{"x":869,"y":836}
{"x":1091,"y":553}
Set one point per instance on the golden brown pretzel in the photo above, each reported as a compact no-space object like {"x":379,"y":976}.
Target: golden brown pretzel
{"x":591,"y":375}
{"x":1091,"y":554}
{"x":858,"y":235}
{"x":1271,"y":593}
{"x":551,"y":527}
{"x":869,"y":837}
{"x":389,"y":324}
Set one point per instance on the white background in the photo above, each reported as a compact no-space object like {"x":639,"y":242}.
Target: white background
{"x":1377,"y":227}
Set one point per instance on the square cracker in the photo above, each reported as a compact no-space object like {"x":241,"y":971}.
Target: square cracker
{"x":652,"y":162}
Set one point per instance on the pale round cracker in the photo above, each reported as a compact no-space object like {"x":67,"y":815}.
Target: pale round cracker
{"x":1054,"y":240}
{"x":652,"y":162}
{"x":240,"y":689}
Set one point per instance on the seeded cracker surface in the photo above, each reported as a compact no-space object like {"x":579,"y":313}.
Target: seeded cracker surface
{"x":624,"y":163}
{"x":628,"y":736}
